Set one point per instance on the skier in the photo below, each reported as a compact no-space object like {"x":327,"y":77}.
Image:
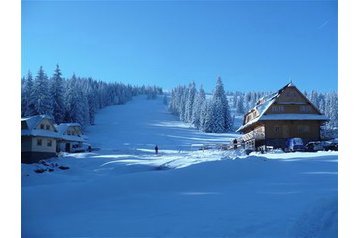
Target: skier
{"x":156,"y":149}
{"x":235,"y":143}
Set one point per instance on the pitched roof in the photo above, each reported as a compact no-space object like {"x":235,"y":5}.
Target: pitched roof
{"x":63,"y":127}
{"x":264,"y":103}
{"x":33,"y":122}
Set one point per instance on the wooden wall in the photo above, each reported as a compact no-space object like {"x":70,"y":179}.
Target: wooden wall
{"x":289,"y":129}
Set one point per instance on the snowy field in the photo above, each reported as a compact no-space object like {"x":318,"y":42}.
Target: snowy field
{"x":125,"y":190}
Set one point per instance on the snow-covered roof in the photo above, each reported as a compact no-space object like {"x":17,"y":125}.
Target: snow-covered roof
{"x":33,"y":121}
{"x":59,"y":133}
{"x":43,"y":133}
{"x":62,"y":128}
{"x":264,"y":104}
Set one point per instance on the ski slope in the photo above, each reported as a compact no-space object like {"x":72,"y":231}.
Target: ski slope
{"x":125,"y":190}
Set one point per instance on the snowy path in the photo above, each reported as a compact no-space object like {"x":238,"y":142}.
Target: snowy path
{"x":141,"y":124}
{"x":121,"y":190}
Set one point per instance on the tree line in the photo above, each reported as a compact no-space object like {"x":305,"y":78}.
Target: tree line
{"x":206,"y":114}
{"x":76,"y":99}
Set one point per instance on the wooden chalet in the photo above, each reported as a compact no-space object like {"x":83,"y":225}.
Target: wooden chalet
{"x":71,"y":137}
{"x":38,"y":138}
{"x":279,"y":116}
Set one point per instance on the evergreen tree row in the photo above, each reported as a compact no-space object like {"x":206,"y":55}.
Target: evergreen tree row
{"x":206,"y":114}
{"x":76,"y":99}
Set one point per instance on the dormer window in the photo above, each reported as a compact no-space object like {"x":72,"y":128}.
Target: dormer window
{"x":42,"y":126}
{"x":48,"y":127}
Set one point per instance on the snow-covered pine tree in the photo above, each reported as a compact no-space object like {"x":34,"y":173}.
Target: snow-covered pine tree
{"x":41,"y":94}
{"x":198,"y":108}
{"x":240,"y":104}
{"x":30,"y":97}
{"x":182,"y":102}
{"x":208,"y":116}
{"x":235,"y":98}
{"x":23,"y":97}
{"x":58,"y":95}
{"x":203,"y":114}
{"x":314,"y":98}
{"x":222,"y":116}
{"x":188,"y":117}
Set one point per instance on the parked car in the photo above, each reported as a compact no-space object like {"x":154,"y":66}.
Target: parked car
{"x":81,"y":147}
{"x":294,"y":144}
{"x":331,"y":145}
{"x":314,"y":146}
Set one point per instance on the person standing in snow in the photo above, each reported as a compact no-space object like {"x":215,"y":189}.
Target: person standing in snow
{"x":235,"y":143}
{"x":156,"y":149}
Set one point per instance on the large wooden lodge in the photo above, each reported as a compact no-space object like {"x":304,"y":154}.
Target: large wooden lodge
{"x":279,"y":116}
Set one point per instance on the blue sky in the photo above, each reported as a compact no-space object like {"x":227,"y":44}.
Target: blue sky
{"x":252,"y":45}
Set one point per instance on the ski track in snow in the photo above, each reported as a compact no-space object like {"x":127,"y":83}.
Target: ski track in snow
{"x":126,"y":190}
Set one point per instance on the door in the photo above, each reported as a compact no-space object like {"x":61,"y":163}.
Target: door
{"x":68,"y":147}
{"x":285,"y":131}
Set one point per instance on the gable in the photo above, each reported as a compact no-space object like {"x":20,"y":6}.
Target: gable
{"x":290,"y":101}
{"x":73,"y":130}
{"x":286,"y":104}
{"x":291,"y":95}
{"x":45,"y":124}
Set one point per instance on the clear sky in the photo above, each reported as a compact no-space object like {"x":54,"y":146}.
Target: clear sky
{"x":252,"y":45}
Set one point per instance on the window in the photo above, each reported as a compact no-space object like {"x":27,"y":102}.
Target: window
{"x":305,"y":108}
{"x":302,"y":129}
{"x":42,"y":126}
{"x":39,"y":142}
{"x":291,"y":94}
{"x":278,"y":108}
{"x":49,"y":143}
{"x":47,"y":127}
{"x":277,"y":129}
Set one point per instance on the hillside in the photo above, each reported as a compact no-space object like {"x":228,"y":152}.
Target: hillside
{"x":125,"y":190}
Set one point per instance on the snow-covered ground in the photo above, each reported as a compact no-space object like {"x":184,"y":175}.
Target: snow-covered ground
{"x":125,"y":190}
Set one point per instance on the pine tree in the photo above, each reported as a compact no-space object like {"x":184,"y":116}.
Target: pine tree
{"x":58,"y":95}
{"x":198,"y":108}
{"x":222,"y":116}
{"x":208,"y":117}
{"x":23,"y":97}
{"x":188,"y":117}
{"x":30,"y":97}
{"x":41,"y":94}
{"x":240,"y":105}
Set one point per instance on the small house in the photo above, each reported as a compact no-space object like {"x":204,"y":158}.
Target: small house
{"x":38,"y":138}
{"x":71,"y":138}
{"x":284,"y":114}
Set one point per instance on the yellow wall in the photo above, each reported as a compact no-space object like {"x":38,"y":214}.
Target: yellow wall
{"x":73,"y":130}
{"x":45,"y":122}
{"x":43,"y":147}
